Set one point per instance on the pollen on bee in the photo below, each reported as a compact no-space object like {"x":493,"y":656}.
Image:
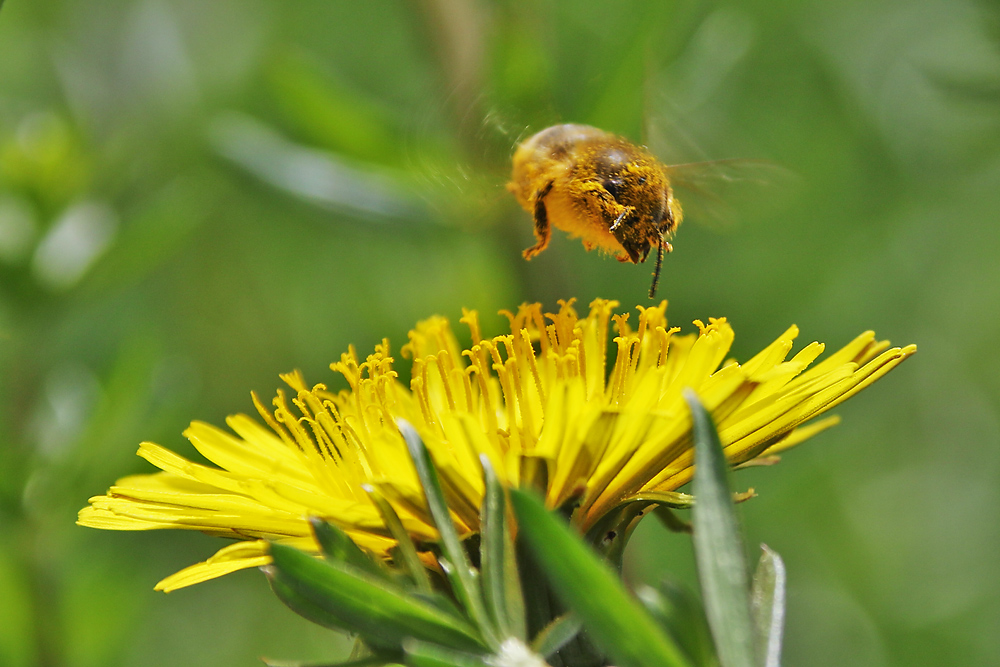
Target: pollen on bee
{"x":598,"y":187}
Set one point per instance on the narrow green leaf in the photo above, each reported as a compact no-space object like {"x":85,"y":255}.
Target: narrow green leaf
{"x":371,"y":661}
{"x":330,"y":112}
{"x":381,"y":612}
{"x":493,"y":517}
{"x":679,"y":611}
{"x":441,"y":601}
{"x":718,"y":545}
{"x":767,"y":602}
{"x":614,"y":621}
{"x":464,"y":580}
{"x":302,"y":605}
{"x":556,"y":634}
{"x":539,"y":599}
{"x":407,"y":552}
{"x":337,"y":545}
{"x":423,"y":654}
{"x":501,"y":583}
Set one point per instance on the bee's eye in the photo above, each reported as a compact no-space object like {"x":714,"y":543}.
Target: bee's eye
{"x":642,"y":180}
{"x":614,"y":186}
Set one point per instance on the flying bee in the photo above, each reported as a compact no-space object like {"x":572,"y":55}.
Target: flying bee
{"x":599,"y":187}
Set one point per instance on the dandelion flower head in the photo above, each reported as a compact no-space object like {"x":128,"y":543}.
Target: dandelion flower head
{"x":553,"y":404}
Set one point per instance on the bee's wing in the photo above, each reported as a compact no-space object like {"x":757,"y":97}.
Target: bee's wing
{"x":466,"y":186}
{"x":721,"y":193}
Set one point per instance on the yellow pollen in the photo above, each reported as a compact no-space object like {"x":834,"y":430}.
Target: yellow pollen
{"x":544,"y":403}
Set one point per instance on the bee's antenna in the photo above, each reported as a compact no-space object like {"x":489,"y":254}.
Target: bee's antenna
{"x":659,"y":263}
{"x":662,"y":248}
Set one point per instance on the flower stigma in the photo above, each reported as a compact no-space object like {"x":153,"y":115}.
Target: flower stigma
{"x":588,"y":410}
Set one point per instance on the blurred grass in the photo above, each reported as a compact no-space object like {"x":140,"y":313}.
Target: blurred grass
{"x":210,"y":281}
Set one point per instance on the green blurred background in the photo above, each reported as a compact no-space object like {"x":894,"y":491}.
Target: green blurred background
{"x":196,"y":196}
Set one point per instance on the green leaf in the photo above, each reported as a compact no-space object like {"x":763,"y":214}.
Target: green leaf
{"x":158,"y":230}
{"x":439,"y":600}
{"x":303,"y":606}
{"x":464,"y":580}
{"x":501,"y":583}
{"x":331,"y":112}
{"x":540,"y":605}
{"x":556,"y":634}
{"x":767,"y":602}
{"x":337,"y":545}
{"x":408,"y":558}
{"x":370,"y":661}
{"x":376,"y":194}
{"x":679,"y":611}
{"x":718,"y":546}
{"x":344,"y":597}
{"x":614,"y":621}
{"x":423,"y":654}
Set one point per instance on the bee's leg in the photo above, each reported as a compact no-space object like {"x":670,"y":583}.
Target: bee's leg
{"x":621,"y":216}
{"x":637,"y":248}
{"x":542,"y":229}
{"x":604,"y":204}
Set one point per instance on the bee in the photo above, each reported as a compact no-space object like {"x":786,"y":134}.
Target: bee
{"x":599,"y":187}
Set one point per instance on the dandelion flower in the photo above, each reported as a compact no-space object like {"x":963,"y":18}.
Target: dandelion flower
{"x":551,"y":404}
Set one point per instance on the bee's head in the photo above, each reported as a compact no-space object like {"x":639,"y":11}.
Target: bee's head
{"x":671,"y":214}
